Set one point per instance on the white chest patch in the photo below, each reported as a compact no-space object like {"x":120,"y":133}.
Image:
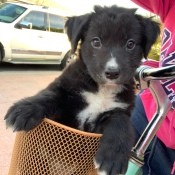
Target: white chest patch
{"x":99,"y":102}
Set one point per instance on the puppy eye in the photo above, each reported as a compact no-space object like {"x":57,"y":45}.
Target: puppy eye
{"x":130,"y":44}
{"x":96,"y":43}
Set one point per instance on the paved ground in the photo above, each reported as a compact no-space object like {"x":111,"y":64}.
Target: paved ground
{"x":17,"y":82}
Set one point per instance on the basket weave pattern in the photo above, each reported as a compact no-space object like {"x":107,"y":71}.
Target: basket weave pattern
{"x":54,"y":149}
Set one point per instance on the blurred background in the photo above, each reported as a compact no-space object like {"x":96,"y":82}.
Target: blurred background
{"x":77,"y":7}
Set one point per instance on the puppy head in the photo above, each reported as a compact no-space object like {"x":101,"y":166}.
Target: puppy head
{"x":113,"y":42}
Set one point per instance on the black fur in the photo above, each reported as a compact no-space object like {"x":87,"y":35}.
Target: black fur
{"x":107,"y":33}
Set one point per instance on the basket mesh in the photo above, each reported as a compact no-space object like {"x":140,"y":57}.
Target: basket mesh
{"x":54,"y":149}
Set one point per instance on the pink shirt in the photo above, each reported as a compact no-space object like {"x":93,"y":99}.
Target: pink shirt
{"x":165,"y":9}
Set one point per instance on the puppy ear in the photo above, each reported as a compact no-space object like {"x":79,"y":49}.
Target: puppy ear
{"x":151,"y":30}
{"x":75,"y":29}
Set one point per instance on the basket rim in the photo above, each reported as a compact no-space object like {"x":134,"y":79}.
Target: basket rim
{"x":84,"y":133}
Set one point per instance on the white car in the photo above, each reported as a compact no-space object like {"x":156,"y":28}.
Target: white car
{"x":33,"y":34}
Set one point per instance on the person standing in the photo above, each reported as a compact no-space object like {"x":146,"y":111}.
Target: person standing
{"x":160,"y":158}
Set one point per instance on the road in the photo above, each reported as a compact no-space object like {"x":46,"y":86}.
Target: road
{"x":16,"y":82}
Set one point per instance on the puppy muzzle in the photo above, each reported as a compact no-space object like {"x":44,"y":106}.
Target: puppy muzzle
{"x":112,"y":73}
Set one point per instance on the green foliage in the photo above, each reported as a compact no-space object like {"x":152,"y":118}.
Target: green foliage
{"x":2,"y":1}
{"x":155,"y":50}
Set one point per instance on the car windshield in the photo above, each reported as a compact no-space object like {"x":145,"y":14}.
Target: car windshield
{"x":9,"y":12}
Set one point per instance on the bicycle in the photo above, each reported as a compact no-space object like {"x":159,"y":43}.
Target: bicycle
{"x":147,"y":77}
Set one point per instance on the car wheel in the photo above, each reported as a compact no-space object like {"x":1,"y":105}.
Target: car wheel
{"x":0,"y":55}
{"x":68,"y":58}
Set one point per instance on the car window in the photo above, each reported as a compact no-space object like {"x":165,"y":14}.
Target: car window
{"x":36,"y":19}
{"x":10,"y":12}
{"x":56,"y":23}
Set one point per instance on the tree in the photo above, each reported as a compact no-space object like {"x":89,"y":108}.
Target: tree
{"x":155,"y":50}
{"x":2,"y":1}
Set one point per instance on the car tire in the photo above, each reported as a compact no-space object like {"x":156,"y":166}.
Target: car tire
{"x":1,"y":52}
{"x":0,"y":55}
{"x":67,"y":59}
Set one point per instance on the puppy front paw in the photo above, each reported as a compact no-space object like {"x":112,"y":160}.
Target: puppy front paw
{"x":24,"y":115}
{"x":111,"y":161}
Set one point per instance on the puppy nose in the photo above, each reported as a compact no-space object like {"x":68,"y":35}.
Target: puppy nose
{"x":112,"y":73}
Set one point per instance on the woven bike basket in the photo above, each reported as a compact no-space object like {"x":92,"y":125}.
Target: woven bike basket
{"x":54,"y":149}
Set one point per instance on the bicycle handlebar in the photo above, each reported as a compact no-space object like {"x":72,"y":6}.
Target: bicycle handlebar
{"x":146,"y":73}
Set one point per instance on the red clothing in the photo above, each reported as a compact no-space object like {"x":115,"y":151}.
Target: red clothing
{"x":166,"y":10}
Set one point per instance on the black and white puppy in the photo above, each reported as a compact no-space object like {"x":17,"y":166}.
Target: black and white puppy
{"x":96,"y":92}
